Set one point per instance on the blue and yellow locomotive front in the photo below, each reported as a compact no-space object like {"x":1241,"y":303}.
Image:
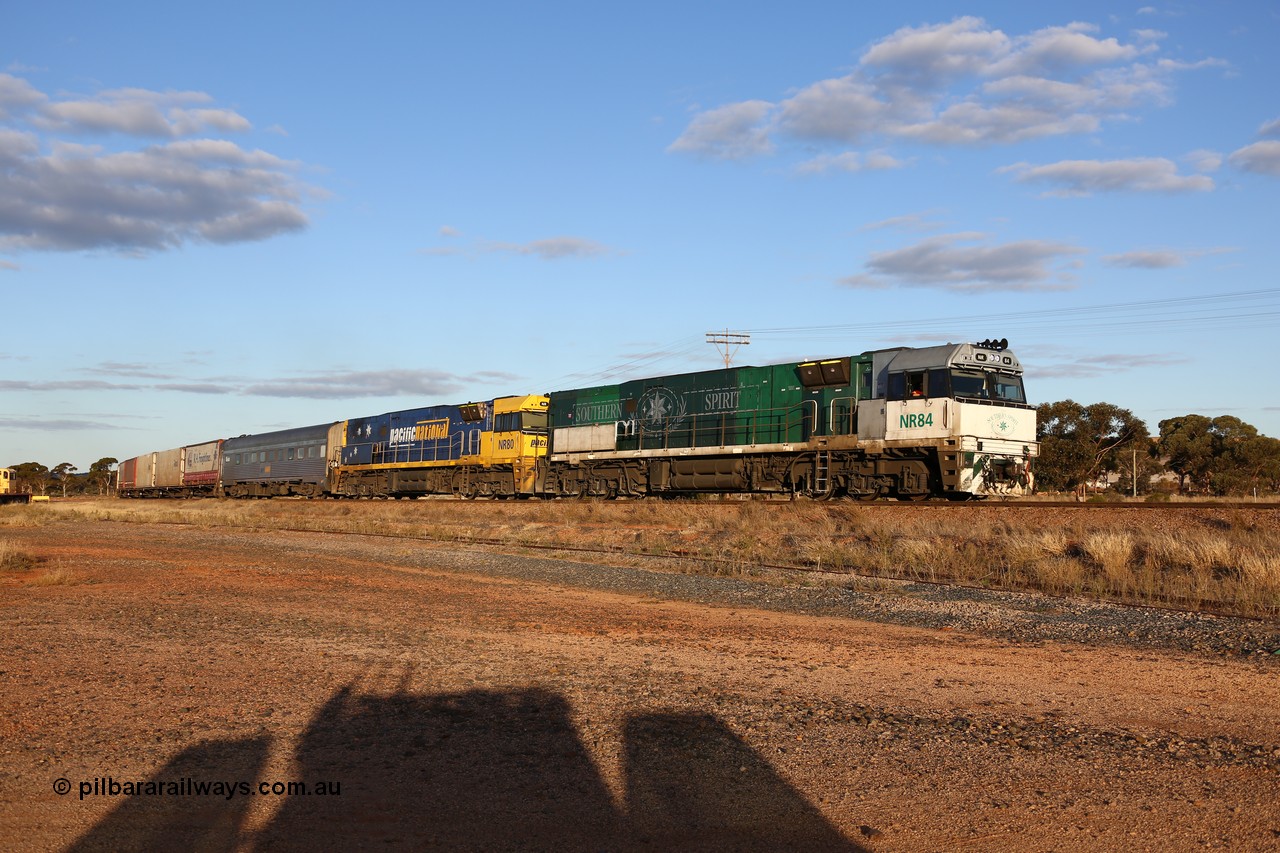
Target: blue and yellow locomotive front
{"x":487,"y":448}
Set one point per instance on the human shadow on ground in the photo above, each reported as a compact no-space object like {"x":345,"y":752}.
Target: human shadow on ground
{"x":490,"y":770}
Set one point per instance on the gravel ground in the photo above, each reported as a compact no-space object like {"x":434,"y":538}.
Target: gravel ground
{"x":474,"y":699}
{"x":1017,"y":617}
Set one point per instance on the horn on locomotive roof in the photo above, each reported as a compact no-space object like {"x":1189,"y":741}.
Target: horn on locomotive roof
{"x":997,"y":345}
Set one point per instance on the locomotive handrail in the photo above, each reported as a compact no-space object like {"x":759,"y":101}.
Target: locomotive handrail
{"x":853,"y":415}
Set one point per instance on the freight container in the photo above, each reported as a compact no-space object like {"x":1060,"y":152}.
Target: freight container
{"x":201,"y":465}
{"x":168,"y":469}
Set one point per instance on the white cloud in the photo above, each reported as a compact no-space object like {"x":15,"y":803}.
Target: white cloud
{"x":62,"y":195}
{"x":16,"y":93}
{"x":1204,"y":160}
{"x":936,"y":54}
{"x":1054,"y":50}
{"x":139,"y":112}
{"x":955,"y":83}
{"x":1261,"y":157}
{"x":1083,"y":177}
{"x":1150,"y":260}
{"x":923,"y":221}
{"x":1103,"y":364}
{"x":1271,"y":128}
{"x":1159,"y":259}
{"x":731,"y":132}
{"x":553,"y":248}
{"x":842,"y":110}
{"x":945,"y":263}
{"x":353,"y":384}
{"x":849,"y":161}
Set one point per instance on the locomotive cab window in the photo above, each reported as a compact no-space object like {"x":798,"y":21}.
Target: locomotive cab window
{"x":521,"y":421}
{"x":917,"y":384}
{"x":1008,"y":388}
{"x":981,"y":385}
{"x":897,"y":386}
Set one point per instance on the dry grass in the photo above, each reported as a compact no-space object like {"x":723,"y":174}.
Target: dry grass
{"x":55,"y":577}
{"x":14,"y":559}
{"x":1212,"y":558}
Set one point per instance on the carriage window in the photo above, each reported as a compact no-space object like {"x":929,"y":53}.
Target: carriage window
{"x":290,"y":454}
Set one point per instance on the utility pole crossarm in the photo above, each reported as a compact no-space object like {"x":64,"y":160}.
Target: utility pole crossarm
{"x":727,"y":343}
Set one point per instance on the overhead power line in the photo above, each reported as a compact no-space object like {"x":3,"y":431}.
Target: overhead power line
{"x":727,"y":343}
{"x":1184,"y":314}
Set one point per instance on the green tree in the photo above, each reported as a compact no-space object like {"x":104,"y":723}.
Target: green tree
{"x":1187,"y":445}
{"x":1221,"y":456}
{"x":1251,"y":466}
{"x":32,"y":477}
{"x":1080,"y":444}
{"x":64,"y":473}
{"x":100,"y":474}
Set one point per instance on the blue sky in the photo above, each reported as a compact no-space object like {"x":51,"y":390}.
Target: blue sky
{"x":219,"y":220}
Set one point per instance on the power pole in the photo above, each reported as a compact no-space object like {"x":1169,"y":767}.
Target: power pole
{"x":727,"y":343}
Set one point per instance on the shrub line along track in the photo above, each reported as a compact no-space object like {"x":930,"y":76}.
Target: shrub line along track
{"x":991,"y":501}
{"x":1172,"y":606}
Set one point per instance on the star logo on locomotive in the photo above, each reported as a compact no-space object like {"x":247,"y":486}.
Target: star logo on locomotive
{"x":661,"y":409}
{"x":1003,"y":424}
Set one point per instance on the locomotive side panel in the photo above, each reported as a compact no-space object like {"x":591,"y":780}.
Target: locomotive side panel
{"x":432,"y":435}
